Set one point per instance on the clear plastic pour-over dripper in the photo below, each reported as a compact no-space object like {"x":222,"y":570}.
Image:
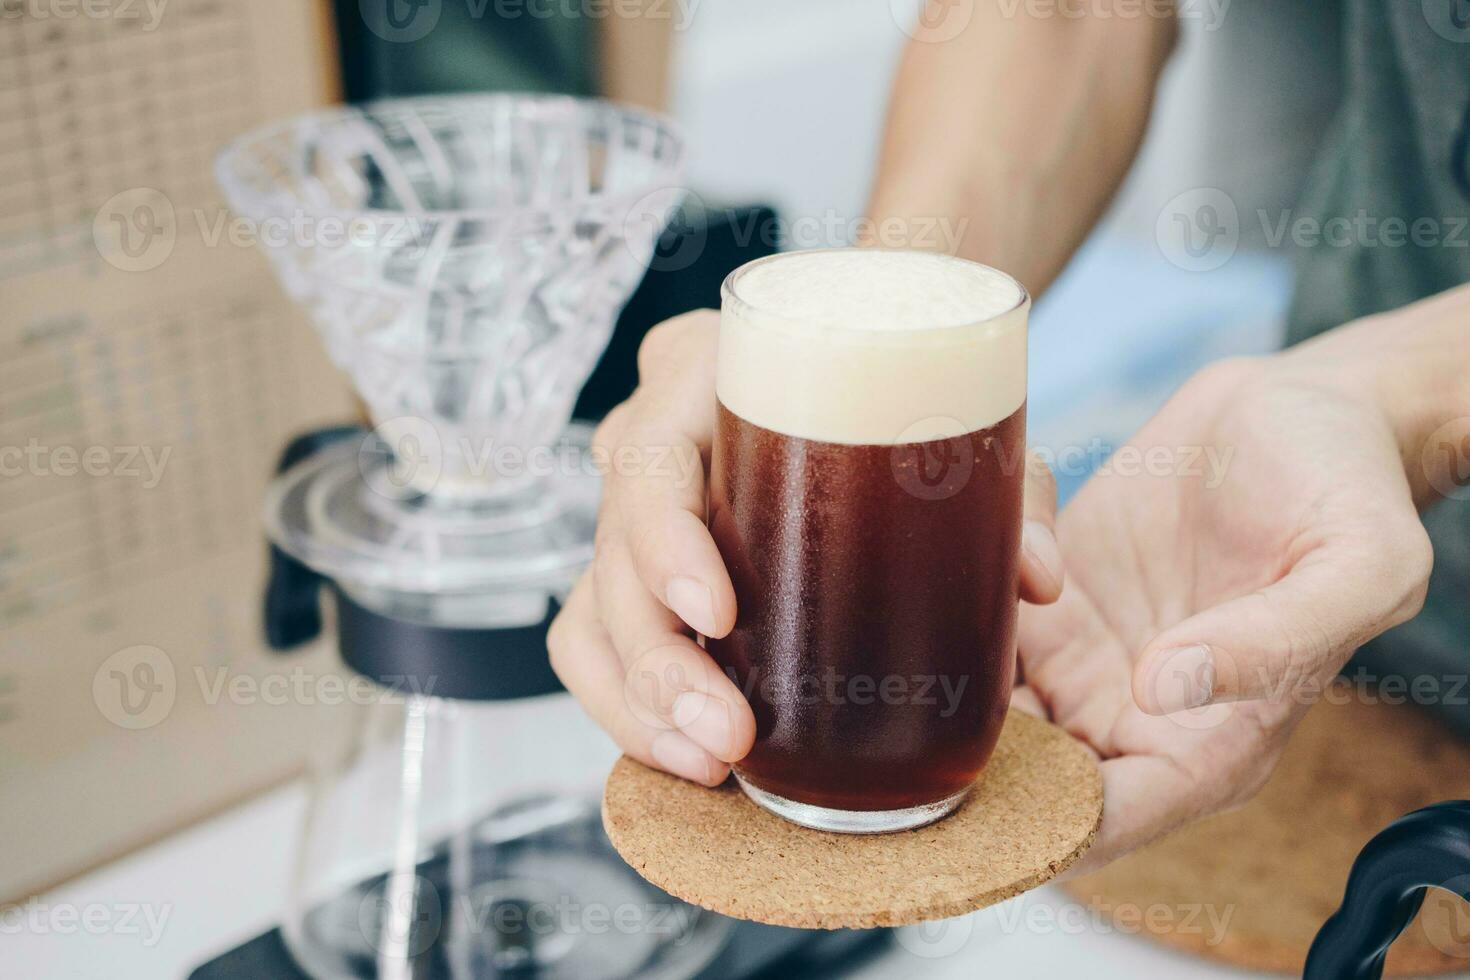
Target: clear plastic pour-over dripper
{"x":464,"y":259}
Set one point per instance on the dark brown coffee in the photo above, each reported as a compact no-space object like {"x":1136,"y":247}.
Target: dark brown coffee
{"x":877,"y":600}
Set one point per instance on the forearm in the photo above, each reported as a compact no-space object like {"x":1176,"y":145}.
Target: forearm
{"x":1415,"y":363}
{"x":1014,"y":134}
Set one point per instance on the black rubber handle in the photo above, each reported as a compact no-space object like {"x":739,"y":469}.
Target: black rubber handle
{"x":1429,"y":848}
{"x":293,"y":613}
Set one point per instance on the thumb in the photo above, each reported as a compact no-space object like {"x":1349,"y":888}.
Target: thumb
{"x":1303,"y":626}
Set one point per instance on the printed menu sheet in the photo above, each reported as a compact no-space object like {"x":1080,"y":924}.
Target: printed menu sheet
{"x":150,"y":372}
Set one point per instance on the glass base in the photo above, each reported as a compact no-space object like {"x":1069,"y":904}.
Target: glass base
{"x":333,"y":512}
{"x":852,"y":821}
{"x":511,"y":895}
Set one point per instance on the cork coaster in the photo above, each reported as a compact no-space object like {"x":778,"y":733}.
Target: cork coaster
{"x":1272,"y":872}
{"x":1034,"y":811}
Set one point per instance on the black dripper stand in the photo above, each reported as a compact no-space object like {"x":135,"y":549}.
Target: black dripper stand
{"x":527,"y":856}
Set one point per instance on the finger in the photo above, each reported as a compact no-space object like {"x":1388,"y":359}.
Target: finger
{"x":1301,"y":628}
{"x":665,"y":434}
{"x":1026,"y":699}
{"x":634,"y":617}
{"x":679,"y":355}
{"x":1042,"y":571}
{"x":583,"y":658}
{"x":1144,"y":797}
{"x":1068,"y":651}
{"x":668,"y":673}
{"x":673,"y":554}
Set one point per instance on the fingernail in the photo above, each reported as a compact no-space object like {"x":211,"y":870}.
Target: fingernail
{"x":704,"y":719}
{"x":691,"y":601}
{"x":1185,"y":679}
{"x":1038,"y":541}
{"x":677,"y":754}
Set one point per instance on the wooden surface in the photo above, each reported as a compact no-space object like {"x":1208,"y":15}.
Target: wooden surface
{"x":1274,"y":870}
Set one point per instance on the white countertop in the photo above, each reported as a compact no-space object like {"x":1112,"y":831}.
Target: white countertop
{"x":163,"y":911}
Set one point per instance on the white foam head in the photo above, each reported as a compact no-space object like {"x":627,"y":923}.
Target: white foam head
{"x":872,"y":347}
